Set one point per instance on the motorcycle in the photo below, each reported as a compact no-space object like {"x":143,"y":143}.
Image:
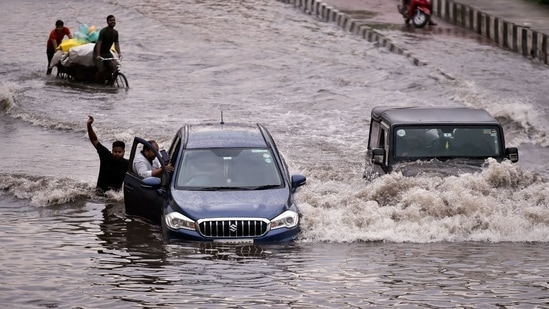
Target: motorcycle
{"x":418,"y":11}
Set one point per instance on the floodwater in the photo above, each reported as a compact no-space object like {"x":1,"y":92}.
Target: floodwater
{"x":477,"y":240}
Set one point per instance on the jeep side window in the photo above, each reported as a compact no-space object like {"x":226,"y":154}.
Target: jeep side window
{"x":378,"y":136}
{"x":374,"y":135}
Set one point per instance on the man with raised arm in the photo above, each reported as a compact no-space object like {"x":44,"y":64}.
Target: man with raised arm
{"x":113,"y":166}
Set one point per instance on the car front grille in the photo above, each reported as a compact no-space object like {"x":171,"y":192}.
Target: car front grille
{"x":233,"y":227}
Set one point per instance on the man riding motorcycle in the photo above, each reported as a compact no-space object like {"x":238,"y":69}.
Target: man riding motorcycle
{"x":404,"y":9}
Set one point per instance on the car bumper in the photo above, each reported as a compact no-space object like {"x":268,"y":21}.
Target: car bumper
{"x":278,"y":235}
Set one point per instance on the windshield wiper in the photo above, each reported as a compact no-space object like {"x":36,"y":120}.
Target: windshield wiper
{"x":264,"y":187}
{"x":250,"y":188}
{"x":217,"y":188}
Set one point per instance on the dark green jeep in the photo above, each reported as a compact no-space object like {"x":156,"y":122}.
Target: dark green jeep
{"x":443,"y":140}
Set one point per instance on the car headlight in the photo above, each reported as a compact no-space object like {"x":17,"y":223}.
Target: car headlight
{"x":176,"y":221}
{"x":288,"y":219}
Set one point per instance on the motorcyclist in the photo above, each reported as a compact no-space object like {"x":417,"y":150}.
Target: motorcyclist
{"x":404,"y":6}
{"x":404,"y":9}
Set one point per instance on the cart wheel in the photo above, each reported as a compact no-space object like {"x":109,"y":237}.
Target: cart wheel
{"x":121,"y":81}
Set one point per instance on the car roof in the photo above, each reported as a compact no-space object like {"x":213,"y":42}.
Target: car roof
{"x":225,"y":135}
{"x":432,"y":115}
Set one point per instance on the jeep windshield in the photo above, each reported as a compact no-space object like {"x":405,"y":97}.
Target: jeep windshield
{"x":447,"y":142}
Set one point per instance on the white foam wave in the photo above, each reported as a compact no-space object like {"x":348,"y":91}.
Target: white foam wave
{"x":502,"y":203}
{"x":7,"y":95}
{"x":520,"y":116}
{"x":45,"y":122}
{"x":48,"y":191}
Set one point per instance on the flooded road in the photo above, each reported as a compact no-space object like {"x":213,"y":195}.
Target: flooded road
{"x":470,"y":241}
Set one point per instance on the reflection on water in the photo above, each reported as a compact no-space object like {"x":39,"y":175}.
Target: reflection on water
{"x":144,"y":242}
{"x":69,"y":86}
{"x":124,"y":262}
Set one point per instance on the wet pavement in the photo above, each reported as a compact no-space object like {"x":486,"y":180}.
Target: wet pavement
{"x":519,"y":25}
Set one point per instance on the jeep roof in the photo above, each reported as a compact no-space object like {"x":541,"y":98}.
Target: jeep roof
{"x":428,"y":115}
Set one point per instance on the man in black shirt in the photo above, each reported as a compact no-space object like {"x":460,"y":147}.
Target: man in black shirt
{"x":107,"y":37}
{"x":113,"y":166}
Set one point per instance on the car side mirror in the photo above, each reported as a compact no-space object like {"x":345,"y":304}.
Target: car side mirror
{"x":151,"y":183}
{"x":298,"y":181}
{"x":511,"y":153}
{"x":378,"y":156}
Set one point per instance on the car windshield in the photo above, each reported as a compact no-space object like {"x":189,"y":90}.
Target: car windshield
{"x":447,"y":142}
{"x":228,"y":168}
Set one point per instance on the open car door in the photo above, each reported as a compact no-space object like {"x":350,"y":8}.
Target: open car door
{"x":145,"y":197}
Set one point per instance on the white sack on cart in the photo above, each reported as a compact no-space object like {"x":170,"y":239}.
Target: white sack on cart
{"x":56,"y":58}
{"x":81,"y":55}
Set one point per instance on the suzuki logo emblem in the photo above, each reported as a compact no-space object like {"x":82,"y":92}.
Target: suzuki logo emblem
{"x":233,"y":228}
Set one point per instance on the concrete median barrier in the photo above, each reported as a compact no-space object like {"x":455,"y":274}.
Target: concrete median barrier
{"x":519,"y":38}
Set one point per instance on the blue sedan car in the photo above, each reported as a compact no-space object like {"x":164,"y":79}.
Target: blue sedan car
{"x":229,"y":184}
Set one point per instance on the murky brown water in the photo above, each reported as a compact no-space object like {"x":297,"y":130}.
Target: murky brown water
{"x":470,"y":241}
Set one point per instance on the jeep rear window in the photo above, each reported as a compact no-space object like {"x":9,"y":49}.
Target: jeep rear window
{"x":447,"y":141}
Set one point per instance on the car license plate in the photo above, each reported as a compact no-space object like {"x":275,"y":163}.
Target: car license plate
{"x":235,"y":241}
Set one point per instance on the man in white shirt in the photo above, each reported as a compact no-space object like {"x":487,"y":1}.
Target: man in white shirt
{"x":145,"y":163}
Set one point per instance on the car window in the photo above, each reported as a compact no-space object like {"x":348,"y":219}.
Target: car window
{"x":174,"y":148}
{"x":454,"y":141}
{"x":228,"y":168}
